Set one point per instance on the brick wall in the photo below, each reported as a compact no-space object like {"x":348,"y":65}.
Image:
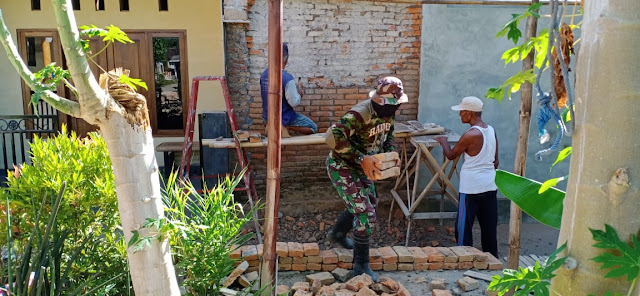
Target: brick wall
{"x":339,"y":49}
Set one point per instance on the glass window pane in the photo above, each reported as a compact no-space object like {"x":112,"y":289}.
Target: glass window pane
{"x":166,"y":57}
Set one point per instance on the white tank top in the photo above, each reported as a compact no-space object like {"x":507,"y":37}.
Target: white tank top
{"x":478,"y":173}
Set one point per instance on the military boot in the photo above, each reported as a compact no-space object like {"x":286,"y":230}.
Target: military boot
{"x":338,"y":233}
{"x":361,"y":258}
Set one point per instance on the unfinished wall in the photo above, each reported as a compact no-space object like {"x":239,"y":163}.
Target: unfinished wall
{"x":339,"y":49}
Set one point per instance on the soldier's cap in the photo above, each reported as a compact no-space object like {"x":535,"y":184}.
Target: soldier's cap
{"x":392,"y":95}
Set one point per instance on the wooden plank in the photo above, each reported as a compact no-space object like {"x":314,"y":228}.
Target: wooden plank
{"x":536,"y":258}
{"x":435,"y":215}
{"x":527,"y":260}
{"x":175,"y":146}
{"x":400,"y":202}
{"x":477,"y":275}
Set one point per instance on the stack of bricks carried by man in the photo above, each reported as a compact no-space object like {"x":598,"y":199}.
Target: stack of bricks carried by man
{"x":293,"y":256}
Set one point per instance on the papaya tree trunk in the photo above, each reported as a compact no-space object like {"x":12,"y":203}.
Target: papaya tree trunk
{"x":126,"y":130}
{"x":604,"y":175}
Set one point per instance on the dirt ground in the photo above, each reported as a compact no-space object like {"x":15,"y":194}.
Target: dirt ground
{"x":537,"y":239}
{"x":302,"y":226}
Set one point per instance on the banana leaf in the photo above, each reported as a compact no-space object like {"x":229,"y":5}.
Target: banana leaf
{"x":545,"y":207}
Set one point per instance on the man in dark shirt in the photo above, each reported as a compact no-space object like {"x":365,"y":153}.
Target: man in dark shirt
{"x":365,"y":130}
{"x":291,"y":96}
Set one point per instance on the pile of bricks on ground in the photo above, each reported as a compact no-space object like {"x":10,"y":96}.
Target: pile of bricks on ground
{"x":324,"y":284}
{"x":308,"y":257}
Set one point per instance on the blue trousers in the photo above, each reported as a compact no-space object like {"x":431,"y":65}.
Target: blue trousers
{"x":485,"y":207}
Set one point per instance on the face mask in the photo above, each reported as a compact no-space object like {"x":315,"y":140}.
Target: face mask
{"x":384,"y":111}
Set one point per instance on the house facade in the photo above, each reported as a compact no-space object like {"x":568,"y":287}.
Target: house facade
{"x":174,"y":41}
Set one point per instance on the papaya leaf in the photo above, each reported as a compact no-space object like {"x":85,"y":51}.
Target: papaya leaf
{"x":550,"y":183}
{"x":545,"y":207}
{"x":115,"y":34}
{"x":495,"y":93}
{"x":133,"y":82}
{"x":92,"y":31}
{"x":625,"y":258}
{"x":561,"y":156}
{"x":534,"y":279}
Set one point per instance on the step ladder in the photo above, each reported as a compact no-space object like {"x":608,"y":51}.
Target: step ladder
{"x":187,"y":148}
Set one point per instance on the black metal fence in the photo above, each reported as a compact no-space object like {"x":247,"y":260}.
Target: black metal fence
{"x":16,"y":133}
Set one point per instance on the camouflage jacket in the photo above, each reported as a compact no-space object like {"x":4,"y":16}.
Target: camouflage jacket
{"x":360,"y":132}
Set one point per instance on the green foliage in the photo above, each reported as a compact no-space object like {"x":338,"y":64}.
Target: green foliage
{"x":42,"y":264}
{"x":624,"y":258}
{"x":511,"y":85}
{"x":550,"y":183}
{"x":47,"y":79}
{"x":133,"y":82}
{"x":203,"y":231}
{"x":561,"y":156}
{"x":89,"y":211}
{"x":520,"y":52}
{"x":534,"y":279}
{"x":511,"y":27}
{"x":545,"y":207}
{"x":112,"y":34}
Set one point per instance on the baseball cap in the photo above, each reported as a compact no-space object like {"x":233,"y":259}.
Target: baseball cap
{"x":391,"y":90}
{"x":469,"y":104}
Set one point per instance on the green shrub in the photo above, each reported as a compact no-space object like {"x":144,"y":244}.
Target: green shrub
{"x":89,"y":211}
{"x":203,"y":230}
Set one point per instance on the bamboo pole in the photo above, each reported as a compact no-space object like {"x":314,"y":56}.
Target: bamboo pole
{"x":521,"y":147}
{"x":269,"y":260}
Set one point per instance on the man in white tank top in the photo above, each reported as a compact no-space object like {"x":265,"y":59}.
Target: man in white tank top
{"x":478,"y":189}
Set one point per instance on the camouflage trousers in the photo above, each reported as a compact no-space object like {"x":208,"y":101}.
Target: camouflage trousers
{"x":357,"y":192}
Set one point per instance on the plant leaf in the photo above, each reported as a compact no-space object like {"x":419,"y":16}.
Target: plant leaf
{"x":133,"y":82}
{"x":495,"y":93}
{"x":561,"y":156}
{"x":550,"y":183}
{"x":625,"y":260}
{"x":115,"y":34}
{"x":545,"y":207}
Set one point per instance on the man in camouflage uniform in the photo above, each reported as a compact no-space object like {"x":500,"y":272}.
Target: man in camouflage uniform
{"x":365,"y":130}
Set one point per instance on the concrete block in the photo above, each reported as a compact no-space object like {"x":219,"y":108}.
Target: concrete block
{"x":468,"y":284}
{"x":449,"y":256}
{"x":418,"y":255}
{"x":250,"y":253}
{"x":404,"y":255}
{"x":295,"y":249}
{"x":433,"y":255}
{"x":441,"y":293}
{"x":463,"y":254}
{"x":344,"y":255}
{"x":340,"y":274}
{"x":329,"y":257}
{"x":388,"y":255}
{"x":311,"y":249}
{"x":438,"y":284}
{"x":325,"y":278}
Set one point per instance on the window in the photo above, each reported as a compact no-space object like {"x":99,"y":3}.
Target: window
{"x":157,"y":57}
{"x":168,"y":83}
{"x":163,"y":5}
{"x":35,"y":4}
{"x":99,"y":5}
{"x":124,"y":5}
{"x":39,"y":48}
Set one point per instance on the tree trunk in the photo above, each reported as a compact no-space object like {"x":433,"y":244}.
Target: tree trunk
{"x":519,"y":166}
{"x":137,"y":182}
{"x":605,"y":140}
{"x":127,"y":133}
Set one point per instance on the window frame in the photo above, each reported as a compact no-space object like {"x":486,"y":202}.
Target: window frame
{"x":59,"y":59}
{"x":184,"y":80}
